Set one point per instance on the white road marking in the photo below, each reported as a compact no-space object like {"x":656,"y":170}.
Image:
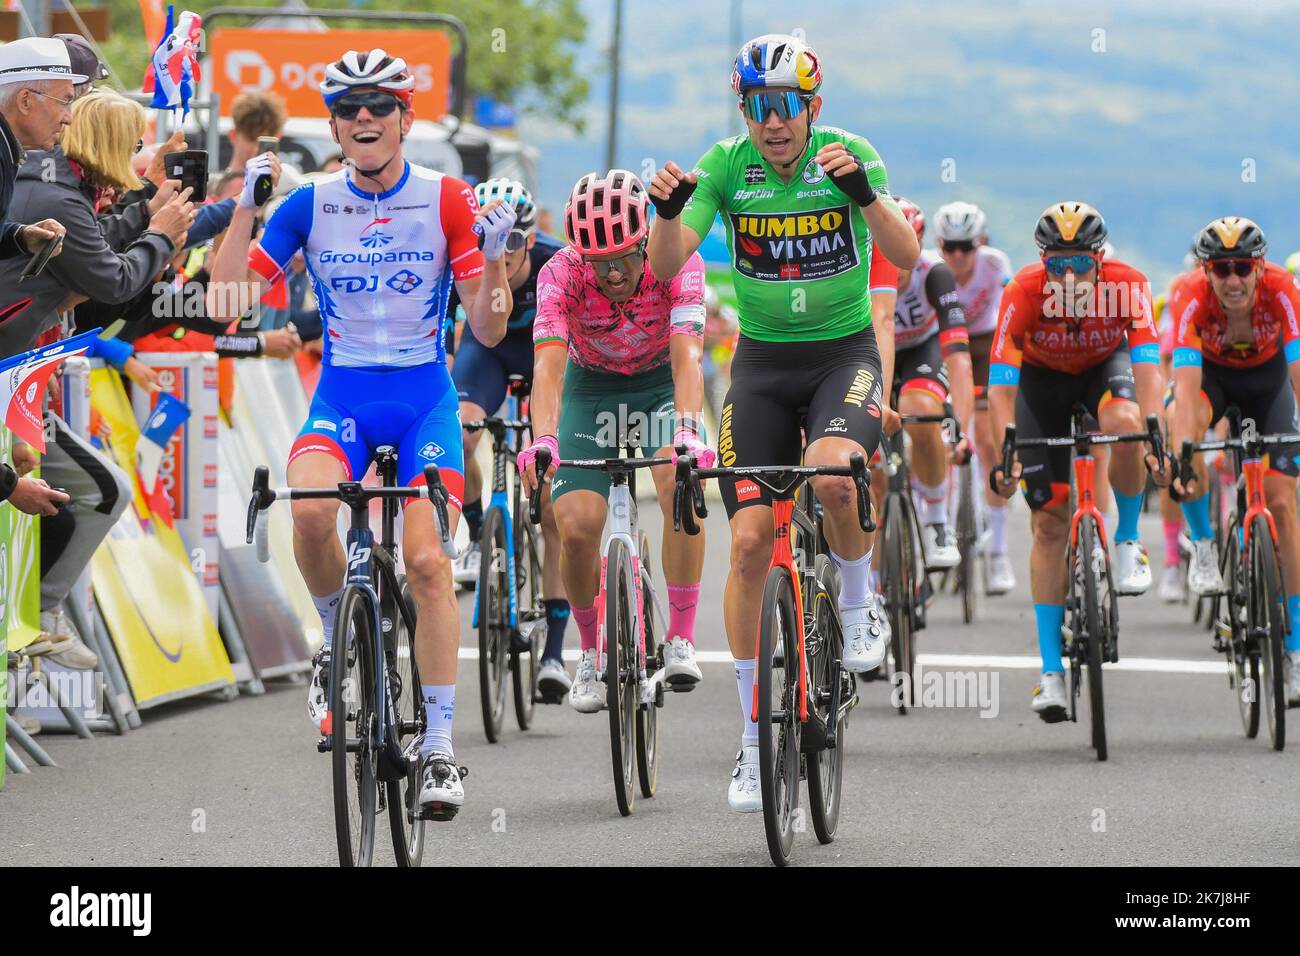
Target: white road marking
{"x":1150,"y":665}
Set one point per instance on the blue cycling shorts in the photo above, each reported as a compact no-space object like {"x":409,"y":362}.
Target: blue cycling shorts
{"x":482,"y":374}
{"x":355,"y":410}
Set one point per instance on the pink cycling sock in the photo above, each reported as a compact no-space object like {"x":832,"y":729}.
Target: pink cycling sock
{"x":1172,"y":557}
{"x":682,"y":601}
{"x":585,"y":618}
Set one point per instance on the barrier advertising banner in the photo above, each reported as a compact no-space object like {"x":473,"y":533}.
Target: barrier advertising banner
{"x":20,"y":583}
{"x":145,"y":583}
{"x":187,"y":468}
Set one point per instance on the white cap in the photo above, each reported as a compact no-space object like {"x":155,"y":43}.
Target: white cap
{"x":36,"y":58}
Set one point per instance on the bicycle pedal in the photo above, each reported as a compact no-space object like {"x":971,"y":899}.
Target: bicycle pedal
{"x":439,"y":813}
{"x":324,"y":745}
{"x":681,"y":684}
{"x":812,"y":736}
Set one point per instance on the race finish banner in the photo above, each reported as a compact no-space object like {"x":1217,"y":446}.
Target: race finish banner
{"x":144,"y":582}
{"x":291,"y":63}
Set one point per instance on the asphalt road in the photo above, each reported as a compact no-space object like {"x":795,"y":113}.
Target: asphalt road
{"x":240,"y":782}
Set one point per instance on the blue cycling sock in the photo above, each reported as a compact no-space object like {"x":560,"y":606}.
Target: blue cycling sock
{"x":1129,"y":507}
{"x":1293,"y":611}
{"x":473,"y":514}
{"x":1197,"y":514}
{"x":557,"y":619}
{"x":1050,"y":617}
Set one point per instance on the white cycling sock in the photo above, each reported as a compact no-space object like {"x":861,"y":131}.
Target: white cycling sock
{"x":996,"y":519}
{"x":745,"y":688}
{"x":327,"y":607}
{"x":439,"y":711}
{"x":932,"y":499}
{"x":855,"y":580}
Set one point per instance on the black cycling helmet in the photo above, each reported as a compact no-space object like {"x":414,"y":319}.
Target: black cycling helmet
{"x":1070,"y":225}
{"x":1231,"y":237}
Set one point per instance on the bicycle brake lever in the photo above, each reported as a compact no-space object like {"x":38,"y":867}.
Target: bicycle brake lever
{"x":858,"y":466}
{"x":683,"y":508}
{"x":542,"y":463}
{"x":436,"y":492}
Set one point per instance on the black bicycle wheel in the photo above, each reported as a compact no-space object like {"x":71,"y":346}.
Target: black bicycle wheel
{"x":353,"y":747}
{"x":404,"y":684}
{"x":621,"y":672}
{"x":493,"y":623}
{"x":825,"y":647}
{"x":900,"y":587}
{"x":1231,"y":632}
{"x":1093,"y":573}
{"x":647,"y":714}
{"x":1267,"y":624}
{"x":967,"y":544}
{"x":777,"y":677}
{"x":531,"y":615}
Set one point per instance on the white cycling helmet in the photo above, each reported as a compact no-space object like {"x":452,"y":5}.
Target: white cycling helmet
{"x":959,"y":221}
{"x":368,"y":69}
{"x":512,"y":193}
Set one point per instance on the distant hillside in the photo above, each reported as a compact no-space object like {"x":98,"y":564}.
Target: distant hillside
{"x":1151,"y":120}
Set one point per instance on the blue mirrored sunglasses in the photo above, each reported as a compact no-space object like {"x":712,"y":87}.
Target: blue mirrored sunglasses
{"x":1079,"y":264}
{"x":787,"y":104}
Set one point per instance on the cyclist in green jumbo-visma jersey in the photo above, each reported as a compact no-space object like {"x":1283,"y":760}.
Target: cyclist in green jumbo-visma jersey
{"x":805,"y":208}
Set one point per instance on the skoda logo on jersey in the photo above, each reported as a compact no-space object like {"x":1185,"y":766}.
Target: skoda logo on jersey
{"x":836,"y":422}
{"x":431,"y":450}
{"x":374,"y":237}
{"x":812,"y":173}
{"x":404,"y":282}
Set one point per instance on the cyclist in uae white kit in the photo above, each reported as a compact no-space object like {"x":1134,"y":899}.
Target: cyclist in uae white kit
{"x":981,"y":271}
{"x":383,"y":241}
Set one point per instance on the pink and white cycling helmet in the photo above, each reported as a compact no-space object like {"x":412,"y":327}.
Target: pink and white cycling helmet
{"x":912,"y":213}
{"x":606,"y":214}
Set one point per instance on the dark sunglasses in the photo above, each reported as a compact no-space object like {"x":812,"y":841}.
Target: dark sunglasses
{"x":517,"y":239}
{"x":957,"y":245}
{"x":378,"y":104}
{"x":1079,"y":264}
{"x":625,"y":263}
{"x":1227,"y":267}
{"x":787,"y":103}
{"x":139,"y":145}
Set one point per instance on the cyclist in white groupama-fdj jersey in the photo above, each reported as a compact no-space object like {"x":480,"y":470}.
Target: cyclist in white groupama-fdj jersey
{"x":618,"y":349}
{"x":803,"y":207}
{"x":383,"y":241}
{"x":961,"y":233}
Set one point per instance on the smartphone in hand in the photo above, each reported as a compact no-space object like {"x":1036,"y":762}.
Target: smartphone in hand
{"x":191,"y":168}
{"x":42,"y":256}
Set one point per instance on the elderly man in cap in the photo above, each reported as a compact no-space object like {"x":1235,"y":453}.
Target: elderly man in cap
{"x":36,"y":90}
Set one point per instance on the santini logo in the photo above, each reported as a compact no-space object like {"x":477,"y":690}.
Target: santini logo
{"x":103,"y":909}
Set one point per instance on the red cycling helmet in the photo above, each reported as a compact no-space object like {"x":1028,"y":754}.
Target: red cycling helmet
{"x":606,"y":214}
{"x":912,"y":213}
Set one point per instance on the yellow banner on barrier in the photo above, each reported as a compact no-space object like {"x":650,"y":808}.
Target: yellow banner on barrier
{"x":144,"y":582}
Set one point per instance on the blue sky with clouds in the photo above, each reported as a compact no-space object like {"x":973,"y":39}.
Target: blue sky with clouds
{"x":1162,"y":114}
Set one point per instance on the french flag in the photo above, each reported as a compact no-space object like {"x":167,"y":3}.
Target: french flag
{"x":23,"y":378}
{"x":173,"y":72}
{"x":168,"y":415}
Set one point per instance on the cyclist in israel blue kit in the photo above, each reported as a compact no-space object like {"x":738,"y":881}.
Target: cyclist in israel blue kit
{"x":481,"y":374}
{"x":383,"y":240}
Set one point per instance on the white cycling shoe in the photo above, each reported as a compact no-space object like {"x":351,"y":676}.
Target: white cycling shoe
{"x":441,"y":791}
{"x":588,"y":693}
{"x":318,"y":701}
{"x":866,"y":637}
{"x":1001,"y":578}
{"x":1291,"y":668}
{"x":553,"y":681}
{"x":1203,"y":575}
{"x":939,"y":545}
{"x":1132,"y":568}
{"x":743,"y":794}
{"x":1170,"y":589}
{"x":679,"y":662}
{"x":464,"y":570}
{"x":1049,"y":698}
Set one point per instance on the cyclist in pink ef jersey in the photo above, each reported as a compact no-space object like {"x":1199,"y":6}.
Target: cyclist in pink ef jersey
{"x":624,"y":350}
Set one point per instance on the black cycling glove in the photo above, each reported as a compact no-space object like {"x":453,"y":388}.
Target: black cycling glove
{"x":671,"y":207}
{"x":855,"y":184}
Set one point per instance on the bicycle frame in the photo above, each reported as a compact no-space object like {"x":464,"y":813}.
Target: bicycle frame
{"x":1085,"y":473}
{"x":783,"y":515}
{"x":502,"y":437}
{"x":622,"y":527}
{"x":1253,"y":470}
